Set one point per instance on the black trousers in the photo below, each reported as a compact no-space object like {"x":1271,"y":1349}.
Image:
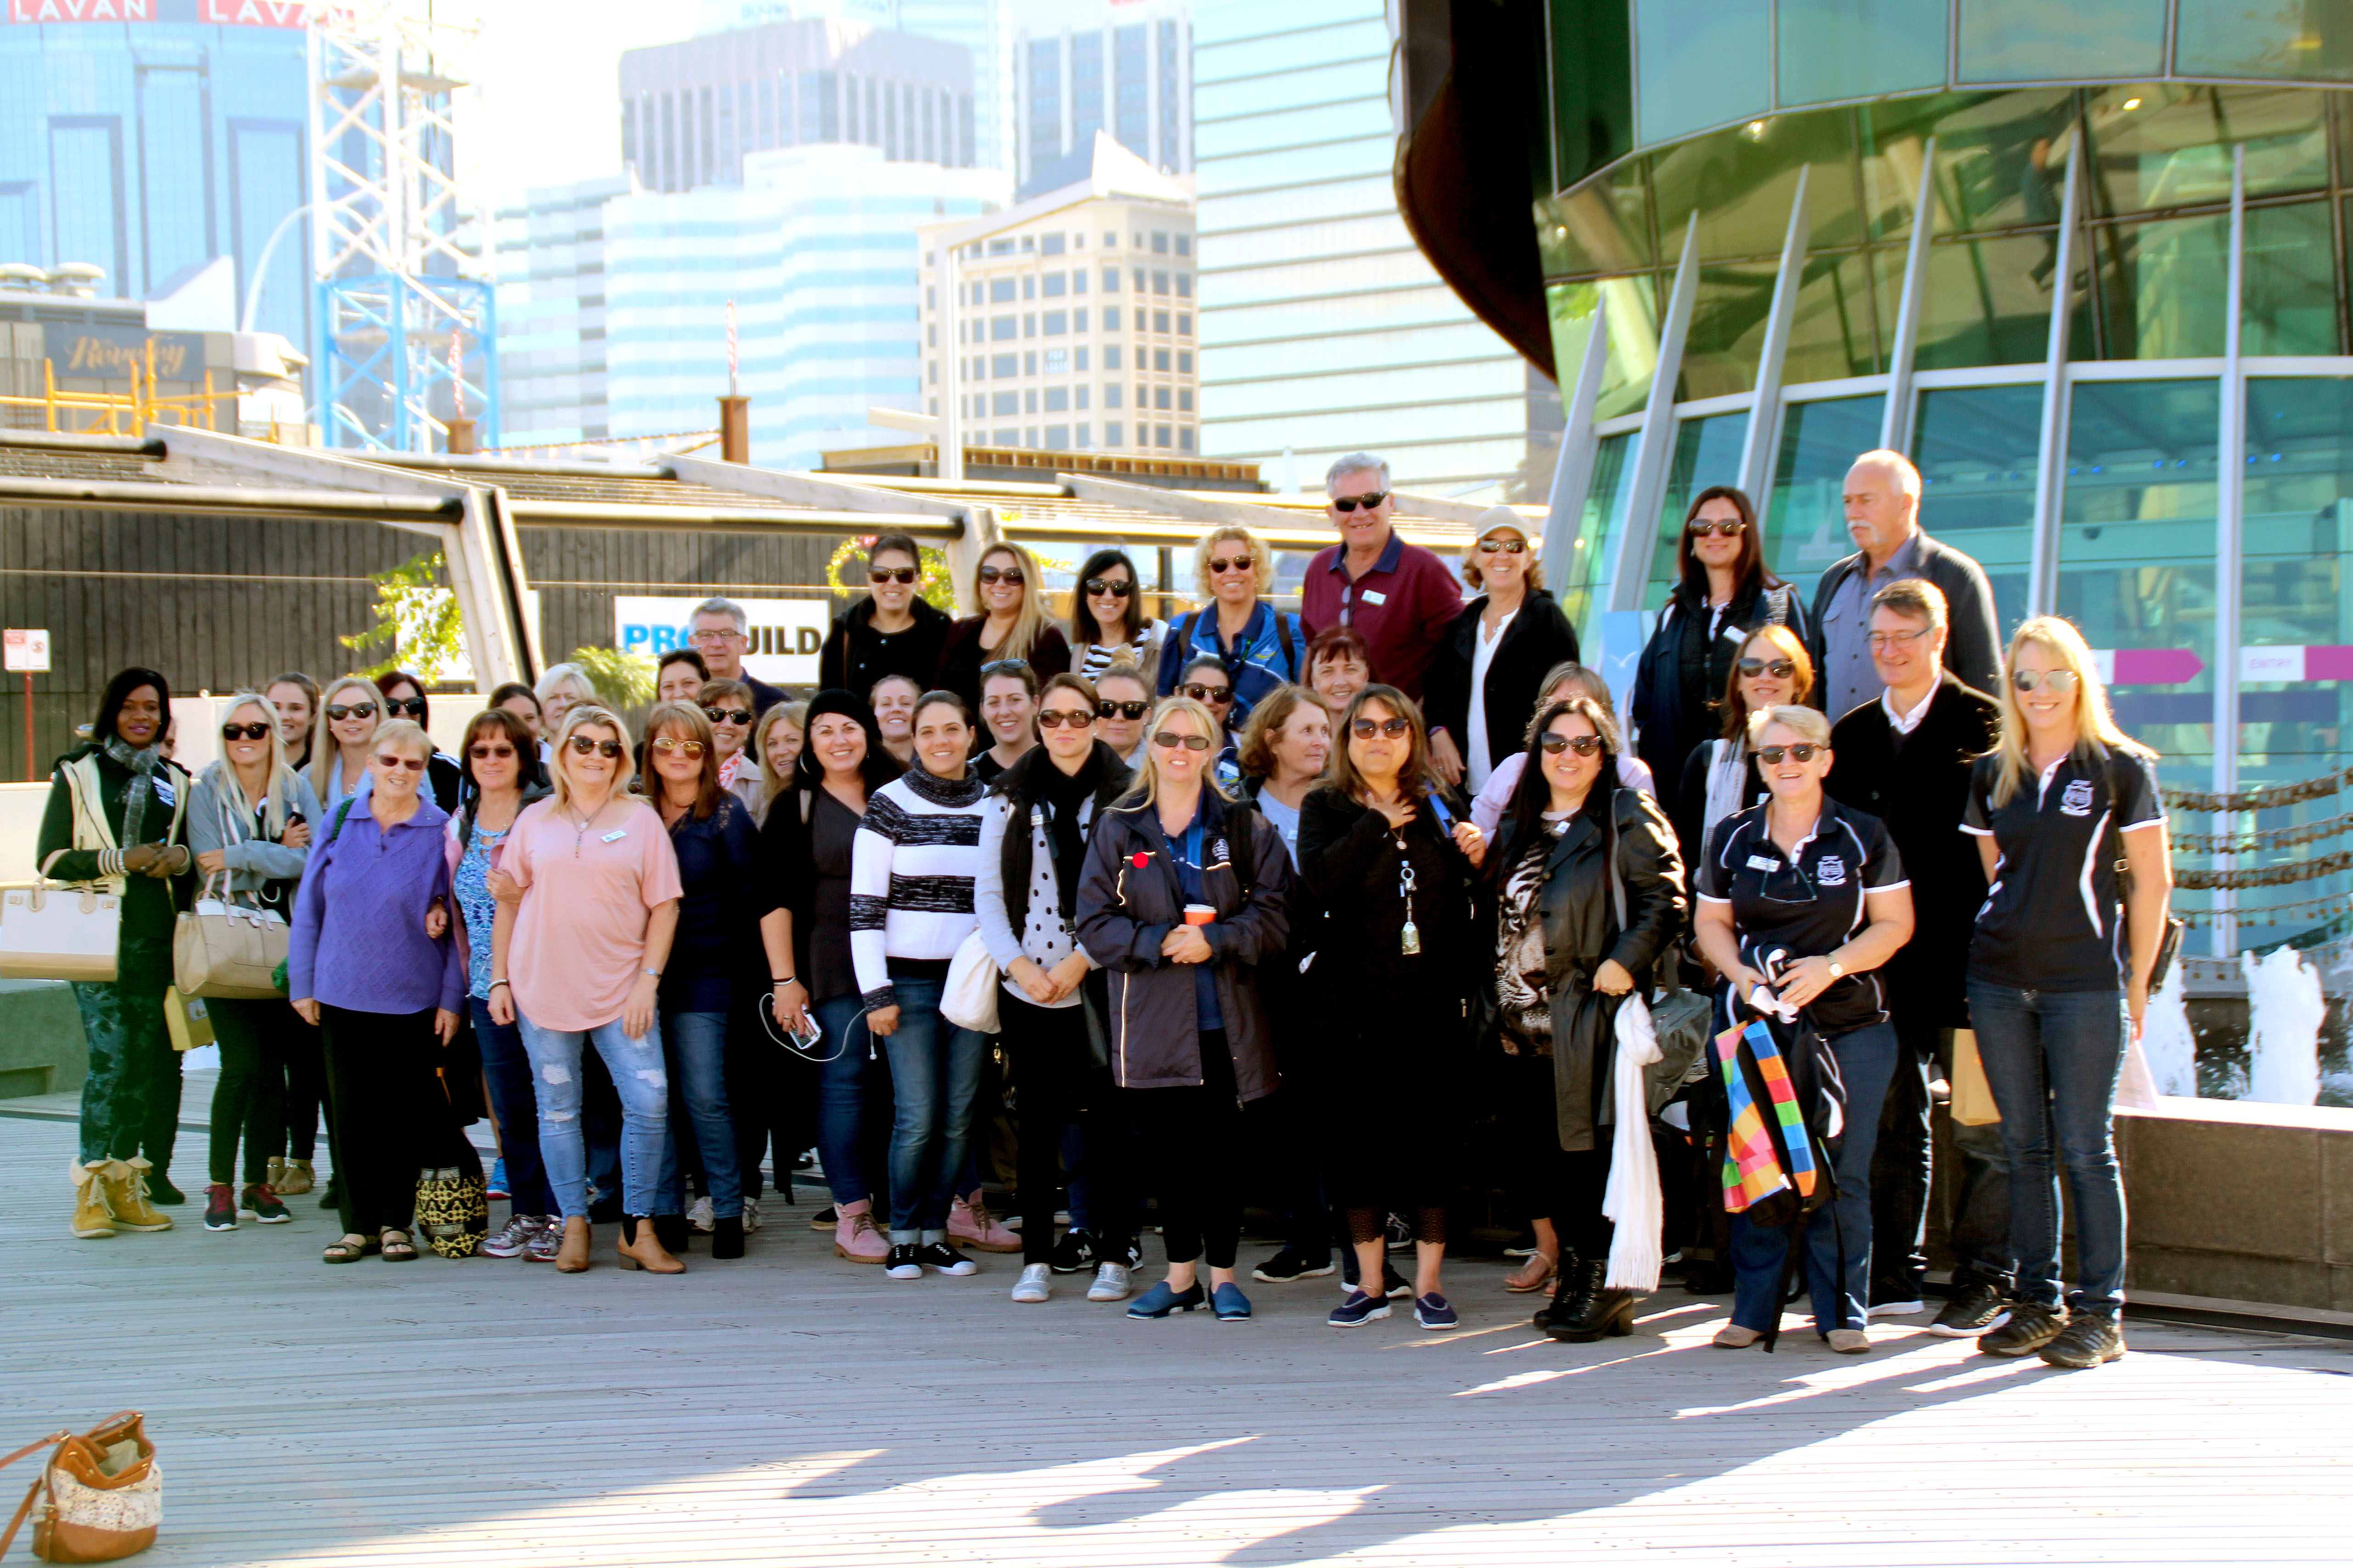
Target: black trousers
{"x":306,"y":1086}
{"x":1056,"y":1084}
{"x":1564,"y":1186}
{"x":1192,"y":1143}
{"x":249,"y":1100}
{"x":391,"y":1115}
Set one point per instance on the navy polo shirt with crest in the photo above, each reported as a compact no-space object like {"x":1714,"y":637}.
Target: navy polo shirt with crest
{"x":1809,"y":903}
{"x":2054,"y":918}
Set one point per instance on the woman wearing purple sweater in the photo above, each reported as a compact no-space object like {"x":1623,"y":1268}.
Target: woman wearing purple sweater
{"x":371,"y":961}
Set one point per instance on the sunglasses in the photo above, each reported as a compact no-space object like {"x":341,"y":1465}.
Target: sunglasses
{"x":1350,"y":503}
{"x":1778,"y":668}
{"x":1703,"y":530}
{"x":1881,"y":642}
{"x":1219,"y":695}
{"x":671,"y":743}
{"x":1583,"y":745}
{"x":1168,"y":740}
{"x":484,"y":753}
{"x":413,"y":764}
{"x":244,"y":731}
{"x":1055,"y":718}
{"x":1117,"y":587}
{"x":1365,"y":729}
{"x":1003,"y":667}
{"x":582,"y":745}
{"x":1009,"y":576}
{"x":1803,"y":750}
{"x":1108,"y":709}
{"x":412,"y":706}
{"x":1221,"y":565}
{"x":2056,"y":679}
{"x":890,"y":573}
{"x":728,"y":715}
{"x":1503,"y":546}
{"x":354,"y":710}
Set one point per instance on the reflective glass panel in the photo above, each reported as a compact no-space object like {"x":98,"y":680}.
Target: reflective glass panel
{"x":2001,"y":162}
{"x":1741,"y":182}
{"x":1699,"y":63}
{"x":1805,"y":522}
{"x":1603,"y":516}
{"x":2232,"y":38}
{"x":1979,"y":449}
{"x":2162,"y":287}
{"x":2295,"y":679}
{"x":1987,"y":302}
{"x":1601,"y":227}
{"x":2157,"y":146}
{"x":1728,"y":330}
{"x":2035,"y":40}
{"x":1707,"y":452}
{"x":1633,"y":304}
{"x":1831,"y":330}
{"x":2291,"y":266}
{"x":2137,"y":557}
{"x":1831,"y":49}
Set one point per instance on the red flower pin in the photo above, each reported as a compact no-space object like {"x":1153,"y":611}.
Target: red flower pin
{"x":1140,"y":860}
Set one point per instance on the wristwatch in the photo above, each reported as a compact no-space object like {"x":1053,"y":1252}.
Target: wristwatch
{"x":1838,"y":970}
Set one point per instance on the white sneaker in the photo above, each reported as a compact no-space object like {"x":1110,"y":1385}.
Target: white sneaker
{"x":751,"y":1214}
{"x":1036,"y":1284}
{"x":1896,"y":1308}
{"x":700,"y":1216}
{"x":1111,"y":1283}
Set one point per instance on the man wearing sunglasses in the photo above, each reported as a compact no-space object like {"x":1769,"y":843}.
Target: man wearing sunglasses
{"x":1398,"y":597}
{"x":894,"y":630}
{"x":720,"y":632}
{"x":1883,"y":518}
{"x":1907,"y":759}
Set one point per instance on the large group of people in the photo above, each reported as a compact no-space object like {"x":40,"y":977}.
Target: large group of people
{"x":1342,"y":909}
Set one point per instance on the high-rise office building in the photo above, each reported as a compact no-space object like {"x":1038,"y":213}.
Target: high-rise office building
{"x":146,"y":142}
{"x":1124,"y":67}
{"x":1324,"y":329}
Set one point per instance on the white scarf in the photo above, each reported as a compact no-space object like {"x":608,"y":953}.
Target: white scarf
{"x":1633,"y":1199}
{"x":1727,"y":772}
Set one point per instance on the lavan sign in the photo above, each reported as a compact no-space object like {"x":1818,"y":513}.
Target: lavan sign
{"x":219,"y":12}
{"x":784,"y":637}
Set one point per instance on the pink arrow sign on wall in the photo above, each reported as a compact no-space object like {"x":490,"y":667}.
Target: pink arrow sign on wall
{"x":2156,"y":666}
{"x":2327,"y":663}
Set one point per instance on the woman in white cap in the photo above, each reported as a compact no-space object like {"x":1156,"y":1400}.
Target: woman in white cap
{"x":1485,"y":675}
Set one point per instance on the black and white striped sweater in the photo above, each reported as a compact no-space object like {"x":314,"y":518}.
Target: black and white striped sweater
{"x":911,"y":874}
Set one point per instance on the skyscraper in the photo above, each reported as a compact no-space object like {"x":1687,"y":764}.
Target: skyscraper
{"x":1124,"y":67}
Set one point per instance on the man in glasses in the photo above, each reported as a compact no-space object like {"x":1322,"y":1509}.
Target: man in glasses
{"x":1398,"y":597}
{"x":894,"y":630}
{"x":720,"y":633}
{"x":1883,"y":518}
{"x":1907,"y":759}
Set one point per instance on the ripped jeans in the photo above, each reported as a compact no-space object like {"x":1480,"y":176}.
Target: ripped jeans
{"x":638,"y":1075}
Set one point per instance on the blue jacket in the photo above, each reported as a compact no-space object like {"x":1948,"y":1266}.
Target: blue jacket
{"x":1272,"y":651}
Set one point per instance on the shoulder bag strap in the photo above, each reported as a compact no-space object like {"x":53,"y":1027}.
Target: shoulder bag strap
{"x":1290,"y":656}
{"x":24,"y":1507}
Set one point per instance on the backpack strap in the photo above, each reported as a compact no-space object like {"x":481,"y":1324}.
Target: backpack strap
{"x":343,"y":815}
{"x":1290,"y":654}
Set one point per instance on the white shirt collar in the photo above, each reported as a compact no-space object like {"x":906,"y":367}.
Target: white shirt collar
{"x":1906,"y":723}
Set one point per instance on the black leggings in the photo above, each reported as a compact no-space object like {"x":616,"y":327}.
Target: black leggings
{"x":1564,"y":1186}
{"x":306,"y":1088}
{"x":1054,"y":1085}
{"x":392,"y":1115}
{"x":1191,"y":1139}
{"x":249,"y":1100}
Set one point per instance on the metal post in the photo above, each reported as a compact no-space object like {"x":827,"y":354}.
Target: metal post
{"x":2050,"y":460}
{"x":1572,"y":474}
{"x":1896,"y":419}
{"x":948,"y":460}
{"x":1629,"y":561}
{"x":2229,"y":501}
{"x":1756,"y":447}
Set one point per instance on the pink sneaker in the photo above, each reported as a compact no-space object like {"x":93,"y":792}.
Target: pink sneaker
{"x":970,"y":1222}
{"x":855,"y":1237}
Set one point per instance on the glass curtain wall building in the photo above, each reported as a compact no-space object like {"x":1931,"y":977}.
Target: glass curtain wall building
{"x":1124,"y":67}
{"x":2087,"y":264}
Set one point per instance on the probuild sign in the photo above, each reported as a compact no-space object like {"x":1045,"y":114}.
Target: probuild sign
{"x":780,"y":647}
{"x":78,"y":352}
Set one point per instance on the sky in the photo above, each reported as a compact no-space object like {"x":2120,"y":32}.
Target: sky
{"x":550,"y":72}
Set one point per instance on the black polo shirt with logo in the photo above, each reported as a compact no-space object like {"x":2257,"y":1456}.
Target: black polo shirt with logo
{"x":2054,"y":918}
{"x":1808,"y":904}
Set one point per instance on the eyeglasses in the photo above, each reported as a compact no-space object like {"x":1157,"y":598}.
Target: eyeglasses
{"x":1778,"y":668}
{"x":1169,"y":739}
{"x":244,"y":731}
{"x":2061,"y":680}
{"x":387,"y":760}
{"x":340,"y":712}
{"x":1500,"y":546}
{"x":1107,"y":709}
{"x":1583,"y":745}
{"x":1803,"y":750}
{"x":1701,"y":530}
{"x":1219,"y":695}
{"x":484,"y":753}
{"x":1221,"y":565}
{"x":890,"y":573}
{"x":1350,"y":503}
{"x":728,"y":715}
{"x":1055,"y":718}
{"x":1009,"y":576}
{"x":1117,"y":587}
{"x":412,"y":706}
{"x":709,"y":637}
{"x":1365,"y":729}
{"x":582,"y":745}
{"x":1882,"y":642}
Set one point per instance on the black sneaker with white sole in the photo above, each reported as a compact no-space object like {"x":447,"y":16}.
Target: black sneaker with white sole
{"x":2090,"y":1338}
{"x":1394,"y":1286}
{"x":939,"y":1256}
{"x":1973,"y":1309}
{"x":1290,"y":1264}
{"x":904,"y":1262}
{"x":1074,"y":1253}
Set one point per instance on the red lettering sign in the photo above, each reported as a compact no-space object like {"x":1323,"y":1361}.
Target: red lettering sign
{"x":82,"y":10}
{"x":252,"y":12}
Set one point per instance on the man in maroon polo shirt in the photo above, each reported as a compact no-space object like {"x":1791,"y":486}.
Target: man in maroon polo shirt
{"x":1398,"y":597}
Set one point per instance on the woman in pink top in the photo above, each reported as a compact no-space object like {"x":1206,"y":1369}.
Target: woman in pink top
{"x":588,"y":891}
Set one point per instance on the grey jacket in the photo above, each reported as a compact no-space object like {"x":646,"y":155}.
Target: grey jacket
{"x":217,"y":819}
{"x":1973,"y":650}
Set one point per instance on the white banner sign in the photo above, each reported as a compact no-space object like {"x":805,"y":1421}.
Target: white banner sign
{"x":784,"y":633}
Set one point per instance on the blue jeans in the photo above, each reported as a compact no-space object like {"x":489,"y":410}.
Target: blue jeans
{"x":1838,"y":1236}
{"x":643,"y":1084}
{"x":696,"y":1046}
{"x":934,"y":1078}
{"x":847,"y":1086}
{"x":506,"y":1071}
{"x":2052,"y":1059}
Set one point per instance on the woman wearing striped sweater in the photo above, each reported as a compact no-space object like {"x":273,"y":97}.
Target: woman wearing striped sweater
{"x":910,"y":884}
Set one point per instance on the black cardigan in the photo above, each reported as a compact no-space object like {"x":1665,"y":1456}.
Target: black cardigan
{"x":856,"y":655}
{"x":961,"y":656}
{"x":1538,"y":638}
{"x":1665,"y":725}
{"x":1919,"y":788}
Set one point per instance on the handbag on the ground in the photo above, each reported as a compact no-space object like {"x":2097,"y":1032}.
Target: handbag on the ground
{"x":453,"y":1208}
{"x":50,"y":931}
{"x":968,"y":999}
{"x":99,"y":1496}
{"x":187,"y":1020}
{"x":223,"y":947}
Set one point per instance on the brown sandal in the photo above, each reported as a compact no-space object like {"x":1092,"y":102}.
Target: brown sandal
{"x":350,"y":1249}
{"x":401,"y":1251}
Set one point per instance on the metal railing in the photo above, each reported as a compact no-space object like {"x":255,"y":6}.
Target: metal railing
{"x":123,"y":413}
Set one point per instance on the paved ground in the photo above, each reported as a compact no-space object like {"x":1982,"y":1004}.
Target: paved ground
{"x":791,"y":1408}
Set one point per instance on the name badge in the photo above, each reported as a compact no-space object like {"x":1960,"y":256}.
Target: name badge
{"x":618,"y":833}
{"x":162,"y":788}
{"x":1763,"y":863}
{"x":1375,"y":597}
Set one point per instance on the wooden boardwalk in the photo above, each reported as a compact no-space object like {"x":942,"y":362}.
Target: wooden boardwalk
{"x":791,"y":1408}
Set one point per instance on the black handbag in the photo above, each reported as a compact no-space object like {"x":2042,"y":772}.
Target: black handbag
{"x":2168,"y":940}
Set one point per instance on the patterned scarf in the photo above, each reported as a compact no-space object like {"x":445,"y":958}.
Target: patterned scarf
{"x":141,"y":762}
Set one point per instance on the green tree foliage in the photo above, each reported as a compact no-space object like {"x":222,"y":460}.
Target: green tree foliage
{"x":417,"y":622}
{"x":846,"y":572}
{"x":623,"y":681}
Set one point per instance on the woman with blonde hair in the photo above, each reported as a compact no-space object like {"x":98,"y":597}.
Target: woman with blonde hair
{"x":1014,"y":625}
{"x":777,"y":741}
{"x":349,"y":713}
{"x":1259,"y":646}
{"x":2060,"y":971}
{"x":559,"y":688}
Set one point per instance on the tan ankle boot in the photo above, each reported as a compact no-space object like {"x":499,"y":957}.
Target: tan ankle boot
{"x":125,"y":1186}
{"x":644,"y":1250}
{"x":90,"y":1219}
{"x":294,"y":1180}
{"x":572,"y":1253}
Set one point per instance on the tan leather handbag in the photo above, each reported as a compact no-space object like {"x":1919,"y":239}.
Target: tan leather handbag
{"x":223,"y":947}
{"x":98,"y":1497}
{"x":53,"y":931}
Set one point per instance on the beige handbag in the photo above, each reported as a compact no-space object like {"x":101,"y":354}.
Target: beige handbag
{"x":98,"y":1497}
{"x":49,"y":931}
{"x":1973,"y":1103}
{"x":221,"y":948}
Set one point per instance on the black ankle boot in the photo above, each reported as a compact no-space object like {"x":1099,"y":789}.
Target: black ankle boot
{"x":1564,"y":1293}
{"x":672,"y":1231}
{"x":726,"y":1238}
{"x":1590,"y":1310}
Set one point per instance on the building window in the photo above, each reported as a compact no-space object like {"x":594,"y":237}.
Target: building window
{"x":1144,"y":398}
{"x":1057,"y":360}
{"x":980,"y":294}
{"x":1183,"y":244}
{"x":1113,"y":434}
{"x":1081,"y":392}
{"x":1057,"y":323}
{"x":936,"y":408}
{"x":1159,"y":398}
{"x":1184,"y":438}
{"x":1161,"y":436}
{"x":1007,"y":403}
{"x":1000,"y":328}
{"x":1110,"y":281}
{"x":1160,"y":360}
{"x":1139,"y":280}
{"x":1031,"y":439}
{"x":1184,"y":285}
{"x":1000,"y":291}
{"x":1078,"y":324}
{"x":1050,"y":244}
{"x":1058,"y":437}
{"x":1184,"y":400}
{"x":1111,"y":400}
{"x":1184,"y":324}
{"x":1184,"y":361}
{"x":1008,"y":438}
{"x":935,"y":373}
{"x":1085,"y":441}
{"x":1001,"y":247}
{"x":1056,"y":283}
{"x":1030,"y":287}
{"x":1030,"y":399}
{"x":1111,"y":355}
{"x":1160,"y":321}
{"x":1005,"y":367}
{"x":1159,"y":242}
{"x":1057,"y":400}
{"x":932,"y":332}
{"x":1079,"y":280}
{"x":1030,"y":242}
{"x":1081,"y":362}
{"x":1111,"y":324}
{"x":1029,"y":363}
{"x":1110,"y":242}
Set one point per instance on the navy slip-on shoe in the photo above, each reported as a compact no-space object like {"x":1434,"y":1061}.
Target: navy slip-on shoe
{"x":1232,"y":1306}
{"x":1160,"y":1301}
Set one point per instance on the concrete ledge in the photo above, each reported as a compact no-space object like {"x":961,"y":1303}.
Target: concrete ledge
{"x":41,"y":1049}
